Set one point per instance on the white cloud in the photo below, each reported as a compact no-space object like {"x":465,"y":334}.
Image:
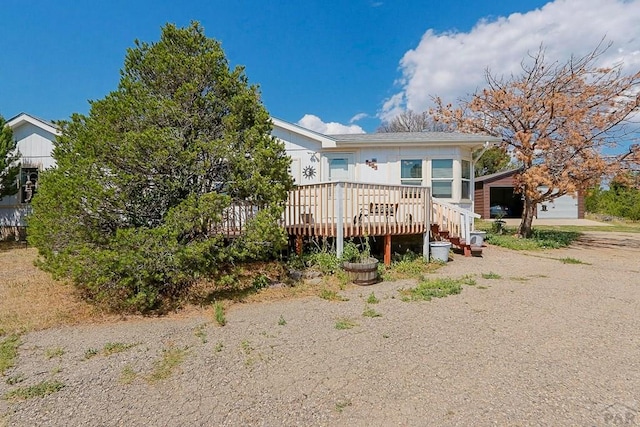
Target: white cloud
{"x":452,"y":65}
{"x":316,"y":124}
{"x":358,"y":116}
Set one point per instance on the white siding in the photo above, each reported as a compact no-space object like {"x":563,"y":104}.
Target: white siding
{"x":305,"y":153}
{"x":373,"y":164}
{"x":564,"y":207}
{"x":35,"y":145}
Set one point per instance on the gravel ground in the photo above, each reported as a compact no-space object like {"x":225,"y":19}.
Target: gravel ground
{"x":548,"y":344}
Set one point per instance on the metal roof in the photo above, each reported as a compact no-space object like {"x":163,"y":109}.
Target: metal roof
{"x":413,"y":138}
{"x":21,"y":118}
{"x":497,"y":175}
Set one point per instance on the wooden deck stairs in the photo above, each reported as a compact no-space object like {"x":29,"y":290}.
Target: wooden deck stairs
{"x":457,"y":243}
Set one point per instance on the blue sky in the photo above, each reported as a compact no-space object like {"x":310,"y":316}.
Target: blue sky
{"x":333,"y":66}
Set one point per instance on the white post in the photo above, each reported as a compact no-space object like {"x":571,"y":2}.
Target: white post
{"x":339,"y":209}
{"x":426,"y":196}
{"x":467,"y":227}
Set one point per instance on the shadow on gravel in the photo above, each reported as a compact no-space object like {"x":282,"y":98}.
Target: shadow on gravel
{"x":612,"y":241}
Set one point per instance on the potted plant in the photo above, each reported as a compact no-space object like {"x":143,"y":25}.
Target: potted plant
{"x":358,"y":262}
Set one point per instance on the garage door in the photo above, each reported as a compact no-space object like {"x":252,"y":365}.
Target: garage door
{"x":563,"y":207}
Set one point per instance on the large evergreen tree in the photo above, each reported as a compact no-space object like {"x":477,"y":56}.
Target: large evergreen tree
{"x":9,"y":161}
{"x":142,"y":182}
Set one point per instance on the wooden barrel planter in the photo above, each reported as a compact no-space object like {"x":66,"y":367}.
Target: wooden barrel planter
{"x":364,"y":272}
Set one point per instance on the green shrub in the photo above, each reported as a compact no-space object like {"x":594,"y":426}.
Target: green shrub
{"x":261,"y":281}
{"x":619,"y":200}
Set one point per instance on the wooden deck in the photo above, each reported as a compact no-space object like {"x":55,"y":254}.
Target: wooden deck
{"x":348,"y":209}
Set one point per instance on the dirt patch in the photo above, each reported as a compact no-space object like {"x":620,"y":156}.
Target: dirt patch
{"x":536,"y":342}
{"x":30,"y":299}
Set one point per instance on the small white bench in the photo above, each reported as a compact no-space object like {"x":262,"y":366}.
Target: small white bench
{"x":381,"y":210}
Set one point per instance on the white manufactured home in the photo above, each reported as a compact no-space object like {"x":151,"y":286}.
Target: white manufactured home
{"x":383,"y":184}
{"x":35,"y":138}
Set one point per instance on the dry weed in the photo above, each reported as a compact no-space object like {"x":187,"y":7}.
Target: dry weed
{"x":31,"y":300}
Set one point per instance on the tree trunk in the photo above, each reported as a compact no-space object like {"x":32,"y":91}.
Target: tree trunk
{"x":524,"y":229}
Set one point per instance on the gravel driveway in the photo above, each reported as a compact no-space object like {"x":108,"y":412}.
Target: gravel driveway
{"x":548,"y":343}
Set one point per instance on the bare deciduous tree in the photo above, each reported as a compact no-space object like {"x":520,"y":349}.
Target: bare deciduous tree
{"x":410,"y":121}
{"x":556,"y":118}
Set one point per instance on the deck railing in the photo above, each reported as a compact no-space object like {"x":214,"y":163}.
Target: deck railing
{"x":458,"y":221}
{"x":345,"y":209}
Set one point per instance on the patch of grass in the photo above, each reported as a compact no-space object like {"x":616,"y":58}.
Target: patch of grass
{"x":541,"y":238}
{"x":491,"y":275}
{"x":89,"y":353}
{"x":482,"y":287}
{"x":171,"y":358}
{"x":128,"y":375}
{"x":345,"y":323}
{"x":246,"y":347}
{"x":281,"y":321}
{"x":343,"y":279}
{"x":218,"y":308}
{"x":42,"y":389}
{"x":615,"y":225}
{"x":50,"y":353}
{"x":201,"y":332}
{"x":8,"y":352}
{"x":436,"y":288}
{"x":115,"y":347}
{"x":342,"y":404}
{"x":371,"y":299}
{"x":331,"y":295}
{"x":370,"y":312}
{"x":15,"y":379}
{"x":219,"y":346}
{"x":407,"y":268}
{"x":569,"y":260}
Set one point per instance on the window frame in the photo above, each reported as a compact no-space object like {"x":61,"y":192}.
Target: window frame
{"x":444,"y":179}
{"x":413,"y":181}
{"x":468,"y":180}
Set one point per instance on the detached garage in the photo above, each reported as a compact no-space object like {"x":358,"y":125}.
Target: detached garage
{"x":495,"y":196}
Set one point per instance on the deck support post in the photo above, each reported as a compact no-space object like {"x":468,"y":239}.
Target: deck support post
{"x":339,"y":210}
{"x":387,"y":250}
{"x":299,"y":244}
{"x":427,"y":225}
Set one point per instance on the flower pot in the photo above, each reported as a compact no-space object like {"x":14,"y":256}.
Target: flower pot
{"x":364,"y":272}
{"x":477,"y":238}
{"x":440,"y":251}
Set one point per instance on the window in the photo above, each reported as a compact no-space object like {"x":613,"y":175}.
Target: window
{"x":411,"y":172}
{"x":341,"y":167}
{"x":466,"y":179}
{"x":338,"y":169}
{"x":28,"y":184}
{"x":442,"y":178}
